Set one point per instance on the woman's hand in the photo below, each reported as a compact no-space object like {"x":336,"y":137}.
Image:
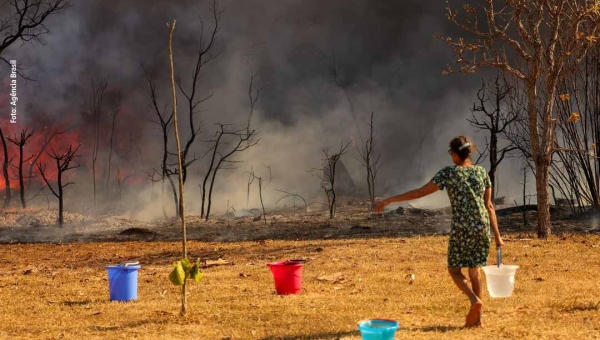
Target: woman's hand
{"x":378,"y":207}
{"x":499,"y":242}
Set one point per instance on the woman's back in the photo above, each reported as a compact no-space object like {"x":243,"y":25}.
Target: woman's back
{"x":466,"y":187}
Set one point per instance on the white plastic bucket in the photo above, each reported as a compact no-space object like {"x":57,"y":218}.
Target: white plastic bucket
{"x":500,"y":280}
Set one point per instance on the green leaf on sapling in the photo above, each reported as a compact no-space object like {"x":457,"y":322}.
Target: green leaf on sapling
{"x":195,"y":273}
{"x":185,"y":263}
{"x":177,"y":276}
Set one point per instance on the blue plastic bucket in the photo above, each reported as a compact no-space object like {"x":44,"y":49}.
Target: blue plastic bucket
{"x":122,"y":282}
{"x":378,"y":329}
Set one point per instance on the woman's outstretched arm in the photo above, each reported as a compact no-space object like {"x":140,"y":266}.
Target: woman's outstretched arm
{"x":489,"y":205}
{"x":425,"y":190}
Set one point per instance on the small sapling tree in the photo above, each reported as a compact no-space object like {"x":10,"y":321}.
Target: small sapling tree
{"x":165,"y":122}
{"x":183,"y":269}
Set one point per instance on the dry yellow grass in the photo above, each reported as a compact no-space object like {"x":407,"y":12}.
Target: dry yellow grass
{"x":61,"y":291}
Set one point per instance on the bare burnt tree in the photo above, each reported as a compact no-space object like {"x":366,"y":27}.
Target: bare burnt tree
{"x":260,"y":187}
{"x":253,"y":95}
{"x":165,"y":123}
{"x":95,"y":106}
{"x":328,"y":177}
{"x":204,"y":55}
{"x":5,"y":164}
{"x":20,"y":142}
{"x":115,"y":109}
{"x":240,"y":140}
{"x":63,"y":164}
{"x":24,"y":21}
{"x":492,"y":115}
{"x":539,"y":43}
{"x":370,"y":161}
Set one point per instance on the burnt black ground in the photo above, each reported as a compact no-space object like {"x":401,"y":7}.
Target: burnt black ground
{"x":353,"y":221}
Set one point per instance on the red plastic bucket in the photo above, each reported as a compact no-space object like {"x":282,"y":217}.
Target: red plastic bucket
{"x":287,"y":276}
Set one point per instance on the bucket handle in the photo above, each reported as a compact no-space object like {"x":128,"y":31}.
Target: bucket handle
{"x":499,"y":256}
{"x":130,"y":263}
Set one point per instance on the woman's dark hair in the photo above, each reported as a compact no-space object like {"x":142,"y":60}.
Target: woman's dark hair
{"x":463,"y":146}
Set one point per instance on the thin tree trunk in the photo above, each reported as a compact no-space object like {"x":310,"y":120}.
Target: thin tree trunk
{"x":21,"y":182}
{"x":203,"y":189}
{"x":369,"y":185}
{"x":212,"y":182}
{"x":164,"y":170}
{"x":210,"y":168}
{"x":7,"y":193}
{"x":261,"y":199}
{"x":94,"y":180}
{"x":60,"y":195}
{"x":332,"y":207}
{"x":493,"y":162}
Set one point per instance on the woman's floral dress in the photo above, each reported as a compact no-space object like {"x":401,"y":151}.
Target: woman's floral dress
{"x":469,"y":243}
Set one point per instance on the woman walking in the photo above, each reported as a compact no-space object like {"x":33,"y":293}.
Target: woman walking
{"x":470,"y":193}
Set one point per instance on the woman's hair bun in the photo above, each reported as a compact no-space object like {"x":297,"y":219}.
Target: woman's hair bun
{"x":463,"y":146}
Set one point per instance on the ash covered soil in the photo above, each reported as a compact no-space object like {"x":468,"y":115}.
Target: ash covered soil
{"x":353,"y":220}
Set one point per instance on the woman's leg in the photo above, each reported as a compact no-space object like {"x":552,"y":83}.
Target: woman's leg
{"x":461,"y":281}
{"x":475,"y":277}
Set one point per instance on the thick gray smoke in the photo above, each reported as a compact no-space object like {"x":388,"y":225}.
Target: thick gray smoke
{"x":385,"y":57}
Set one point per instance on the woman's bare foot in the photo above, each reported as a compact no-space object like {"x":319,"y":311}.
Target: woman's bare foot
{"x":479,"y":322}
{"x":474,"y":316}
